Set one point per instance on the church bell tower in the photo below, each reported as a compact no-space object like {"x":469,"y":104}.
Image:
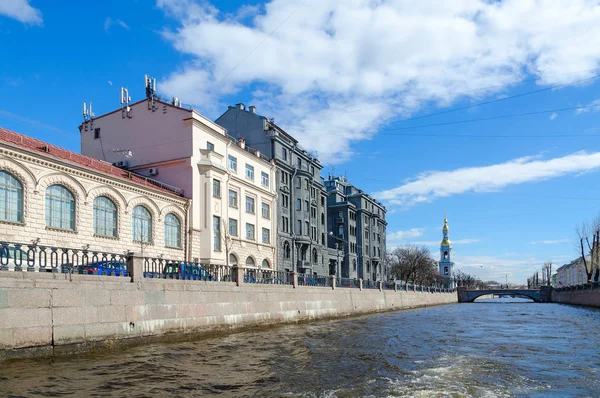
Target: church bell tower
{"x":446,"y":263}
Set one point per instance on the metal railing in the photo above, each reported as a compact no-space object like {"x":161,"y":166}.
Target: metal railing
{"x":389,"y":285}
{"x":369,"y":284}
{"x":253,"y":275}
{"x":346,"y":282}
{"x":313,"y":280}
{"x":160,"y":268}
{"x":39,"y":258}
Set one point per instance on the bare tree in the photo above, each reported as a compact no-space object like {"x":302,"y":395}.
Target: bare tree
{"x":226,"y":239}
{"x":412,"y":264}
{"x":548,"y":271}
{"x":583,"y":232}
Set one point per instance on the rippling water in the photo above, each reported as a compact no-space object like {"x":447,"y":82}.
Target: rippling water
{"x":487,"y":349}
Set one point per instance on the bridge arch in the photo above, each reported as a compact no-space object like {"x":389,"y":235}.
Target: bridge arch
{"x":469,"y":296}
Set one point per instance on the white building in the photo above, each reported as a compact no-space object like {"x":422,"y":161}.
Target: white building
{"x":53,"y":197}
{"x":231,"y":187}
{"x":572,"y":273}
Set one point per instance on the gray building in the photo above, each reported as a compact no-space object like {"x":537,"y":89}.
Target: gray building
{"x":357,"y":222}
{"x":302,"y":199}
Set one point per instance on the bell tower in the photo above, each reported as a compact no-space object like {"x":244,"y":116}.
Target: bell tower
{"x":446,"y":264}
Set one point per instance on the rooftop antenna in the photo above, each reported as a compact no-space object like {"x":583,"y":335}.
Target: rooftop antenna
{"x":150,"y":83}
{"x":125,"y":100}
{"x":88,"y":115}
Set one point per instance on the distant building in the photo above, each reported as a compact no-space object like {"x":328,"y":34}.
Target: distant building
{"x":301,"y":206}
{"x":231,"y":186}
{"x":572,"y":273}
{"x":53,"y":197}
{"x":446,"y":265}
{"x":357,"y":224}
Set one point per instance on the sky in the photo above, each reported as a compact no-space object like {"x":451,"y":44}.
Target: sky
{"x":487,"y":110}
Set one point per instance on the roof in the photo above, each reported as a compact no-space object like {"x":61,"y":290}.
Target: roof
{"x":52,"y":151}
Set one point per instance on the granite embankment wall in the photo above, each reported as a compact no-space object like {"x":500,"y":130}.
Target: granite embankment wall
{"x":46,"y":313}
{"x":588,"y":295}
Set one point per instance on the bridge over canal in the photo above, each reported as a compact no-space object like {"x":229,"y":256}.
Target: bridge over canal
{"x":538,"y":295}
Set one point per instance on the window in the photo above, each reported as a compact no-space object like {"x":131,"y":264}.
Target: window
{"x":298,"y":182}
{"x":264,"y":179}
{"x":216,"y":188}
{"x":298,"y":204}
{"x":266,"y":236}
{"x":265,"y":263}
{"x":233,"y":260}
{"x":141,"y":224}
{"x":323,"y":201}
{"x":284,"y":153}
{"x":233,"y":199}
{"x":250,"y":172}
{"x":285,"y":201}
{"x":285,"y":224}
{"x":172,"y":231}
{"x":11,"y":198}
{"x":249,"y":204}
{"x":250,"y":231}
{"x":313,"y":212}
{"x":60,"y":208}
{"x":217,"y":233}
{"x":341,"y":230}
{"x":312,"y":170}
{"x":299,"y":163}
{"x":322,"y":218}
{"x":286,"y":249}
{"x":105,"y":217}
{"x":210,"y":146}
{"x":307,"y":229}
{"x":315,"y":256}
{"x":306,"y":184}
{"x":97,"y":133}
{"x":266,"y":211}
{"x":306,"y":205}
{"x":323,"y":239}
{"x":250,"y":262}
{"x":233,"y":229}
{"x":445,"y":254}
{"x":232,"y":163}
{"x":299,"y":227}
{"x":354,"y":264}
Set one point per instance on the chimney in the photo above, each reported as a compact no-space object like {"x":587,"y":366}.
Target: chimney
{"x":242,"y":142}
{"x":252,"y":109}
{"x":257,"y":153}
{"x":240,"y":106}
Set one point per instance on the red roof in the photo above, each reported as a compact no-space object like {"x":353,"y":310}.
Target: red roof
{"x":53,"y":151}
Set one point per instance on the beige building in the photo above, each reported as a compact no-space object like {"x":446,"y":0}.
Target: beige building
{"x":230,"y":186}
{"x":572,"y":273}
{"x":54,"y":197}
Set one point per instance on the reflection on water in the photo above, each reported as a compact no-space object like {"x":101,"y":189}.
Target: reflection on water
{"x":497,"y":349}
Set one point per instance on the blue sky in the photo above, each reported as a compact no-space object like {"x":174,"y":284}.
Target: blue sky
{"x":343,"y":76}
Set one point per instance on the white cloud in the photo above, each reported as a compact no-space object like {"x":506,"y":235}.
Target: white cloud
{"x":21,"y":11}
{"x":108,"y":22}
{"x":110,"y":83}
{"x":553,"y":116}
{"x":594,"y":106}
{"x":550,"y":242}
{"x":430,"y":185}
{"x":404,"y":235}
{"x":334,"y":72}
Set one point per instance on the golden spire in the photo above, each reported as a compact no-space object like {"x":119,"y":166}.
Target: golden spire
{"x":445,"y":240}
{"x":445,"y":221}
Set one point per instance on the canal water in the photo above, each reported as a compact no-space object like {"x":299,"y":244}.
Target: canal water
{"x":491,"y":348}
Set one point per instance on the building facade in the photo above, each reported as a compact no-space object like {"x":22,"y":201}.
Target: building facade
{"x":230,"y":186}
{"x":357,"y":223}
{"x":572,"y":273}
{"x":446,"y":265}
{"x":53,"y":197}
{"x":302,"y":204}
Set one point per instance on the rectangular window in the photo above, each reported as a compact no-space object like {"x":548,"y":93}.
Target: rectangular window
{"x":299,"y":227}
{"x":341,"y":230}
{"x":233,"y":229}
{"x":299,"y":163}
{"x":298,"y":204}
{"x":264,"y":179}
{"x":266,"y":211}
{"x":250,"y":172}
{"x":285,"y":201}
{"x":298,"y":182}
{"x":323,"y":201}
{"x":306,"y":205}
{"x":233,"y":199}
{"x":217,"y":233}
{"x":312,"y":170}
{"x":266,"y":236}
{"x":284,"y":153}
{"x":232,"y":163}
{"x":306,"y":184}
{"x":216,"y":188}
{"x":250,"y":204}
{"x":210,"y":146}
{"x":250,"y":231}
{"x":97,"y":133}
{"x":306,"y":228}
{"x":285,"y":224}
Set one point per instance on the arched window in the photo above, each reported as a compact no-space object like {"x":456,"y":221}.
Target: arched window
{"x":286,"y":249}
{"x":354,"y":264}
{"x":233,"y":261}
{"x":60,"y":208}
{"x":172,"y":231}
{"x":105,"y":217}
{"x":11,"y":198}
{"x":141,"y":225}
{"x":250,"y":262}
{"x":445,"y":254}
{"x":265,"y":264}
{"x":315,"y":256}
